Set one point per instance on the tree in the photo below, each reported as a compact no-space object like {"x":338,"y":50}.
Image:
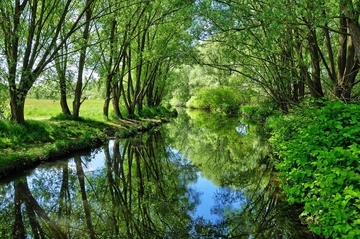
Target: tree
{"x":135,"y":65}
{"x":306,"y":60}
{"x":31,"y":41}
{"x":83,"y":45}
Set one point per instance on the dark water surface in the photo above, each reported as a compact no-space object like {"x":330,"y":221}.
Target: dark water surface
{"x":199,"y":176}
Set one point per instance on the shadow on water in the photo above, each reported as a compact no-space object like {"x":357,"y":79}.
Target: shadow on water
{"x":200,"y":176}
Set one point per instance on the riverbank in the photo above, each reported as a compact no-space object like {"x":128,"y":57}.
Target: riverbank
{"x":37,"y":141}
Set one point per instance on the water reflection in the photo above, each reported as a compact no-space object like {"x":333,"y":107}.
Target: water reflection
{"x":198,"y":177}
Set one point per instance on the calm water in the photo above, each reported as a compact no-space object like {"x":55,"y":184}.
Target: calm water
{"x":199,"y":176}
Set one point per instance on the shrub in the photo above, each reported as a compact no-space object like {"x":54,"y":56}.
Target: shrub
{"x":318,"y":151}
{"x":219,"y":99}
{"x":261,"y":111}
{"x":158,"y":111}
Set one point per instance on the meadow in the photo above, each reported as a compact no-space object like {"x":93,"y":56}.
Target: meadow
{"x":39,"y":109}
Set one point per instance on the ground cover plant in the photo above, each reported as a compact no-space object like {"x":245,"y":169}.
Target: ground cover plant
{"x":318,"y":158}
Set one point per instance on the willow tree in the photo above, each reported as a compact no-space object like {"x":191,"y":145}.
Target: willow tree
{"x":249,"y":43}
{"x":134,"y":59}
{"x":31,"y":41}
{"x":288,"y":55}
{"x":148,"y":61}
{"x":118,"y":29}
{"x":83,"y":43}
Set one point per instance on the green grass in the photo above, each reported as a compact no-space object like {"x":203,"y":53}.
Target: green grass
{"x":47,"y":134}
{"x":45,"y":109}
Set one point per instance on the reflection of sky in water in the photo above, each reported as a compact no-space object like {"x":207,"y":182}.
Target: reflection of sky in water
{"x":215,"y":201}
{"x":211,"y":205}
{"x":242,"y":128}
{"x":207,"y":191}
{"x":210,"y":194}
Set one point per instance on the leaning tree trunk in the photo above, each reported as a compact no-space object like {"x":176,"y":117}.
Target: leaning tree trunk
{"x":85,"y":37}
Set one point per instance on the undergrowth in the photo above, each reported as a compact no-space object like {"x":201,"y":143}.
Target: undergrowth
{"x":318,"y":153}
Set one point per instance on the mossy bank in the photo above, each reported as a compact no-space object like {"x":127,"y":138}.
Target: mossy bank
{"x":27,"y":145}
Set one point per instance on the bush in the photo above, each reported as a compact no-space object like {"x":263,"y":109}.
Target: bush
{"x":159,"y":111}
{"x":219,"y":99}
{"x":261,"y":111}
{"x":318,"y":157}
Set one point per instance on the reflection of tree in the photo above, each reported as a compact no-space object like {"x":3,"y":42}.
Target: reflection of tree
{"x":263,"y":214}
{"x":81,"y":176}
{"x":146,"y":193}
{"x":19,"y":230}
{"x":40,"y":223}
{"x":213,"y":144}
{"x":141,"y":189}
{"x":249,"y":202}
{"x":64,"y":211}
{"x":141,"y":192}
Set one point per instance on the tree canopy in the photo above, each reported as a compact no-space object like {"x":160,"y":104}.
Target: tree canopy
{"x":141,"y":52}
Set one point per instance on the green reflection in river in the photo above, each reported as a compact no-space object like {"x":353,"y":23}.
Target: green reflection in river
{"x":140,"y":191}
{"x":234,"y":156}
{"x":139,"y":188}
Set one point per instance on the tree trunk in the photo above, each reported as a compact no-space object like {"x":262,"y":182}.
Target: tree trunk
{"x":348,"y":64}
{"x":140,"y":104}
{"x":106,"y":107}
{"x":314,"y":81}
{"x":107,"y":96}
{"x":352,"y":15}
{"x":116,"y":101}
{"x":17,"y":104}
{"x":63,"y":100}
{"x":85,"y":37}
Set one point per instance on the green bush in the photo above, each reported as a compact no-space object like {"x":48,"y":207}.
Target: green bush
{"x":261,"y":111}
{"x":158,"y":111}
{"x":249,"y":111}
{"x":318,"y":158}
{"x":219,"y":99}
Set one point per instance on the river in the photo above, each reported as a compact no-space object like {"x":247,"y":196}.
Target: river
{"x":200,"y":176}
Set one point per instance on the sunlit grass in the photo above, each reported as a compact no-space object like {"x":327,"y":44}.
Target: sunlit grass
{"x":39,"y":109}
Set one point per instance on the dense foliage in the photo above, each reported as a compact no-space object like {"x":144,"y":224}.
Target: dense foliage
{"x":319,"y":151}
{"x":117,"y":46}
{"x":218,"y":55}
{"x":3,"y":101}
{"x":219,"y":99}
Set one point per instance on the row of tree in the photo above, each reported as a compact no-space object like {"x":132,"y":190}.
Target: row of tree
{"x":290,"y":49}
{"x":130,"y":45}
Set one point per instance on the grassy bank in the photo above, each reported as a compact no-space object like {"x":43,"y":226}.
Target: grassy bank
{"x":47,"y":134}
